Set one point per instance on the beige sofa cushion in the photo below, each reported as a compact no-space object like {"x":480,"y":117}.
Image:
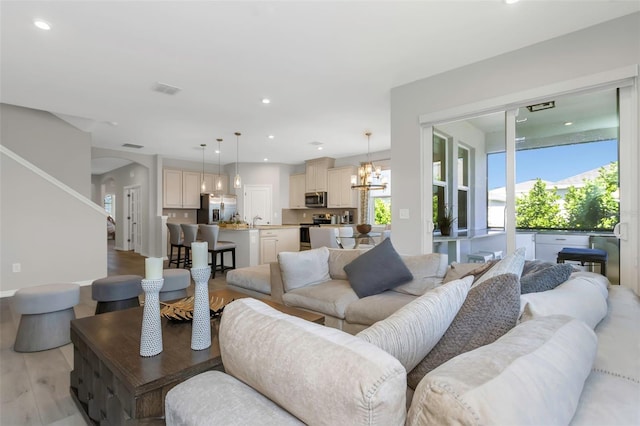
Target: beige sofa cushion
{"x":321,"y":375}
{"x":533,"y":375}
{"x":371,"y":309}
{"x":304,"y":268}
{"x":411,"y":332}
{"x":428,"y":271}
{"x":256,"y":278}
{"x":330,"y":297}
{"x":339,"y":258}
{"x":214,"y":397}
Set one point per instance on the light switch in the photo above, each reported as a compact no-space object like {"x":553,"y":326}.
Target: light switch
{"x":404,"y":213}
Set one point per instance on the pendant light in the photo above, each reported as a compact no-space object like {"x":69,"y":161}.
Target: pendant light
{"x":203,"y":185}
{"x":219,"y":179}
{"x":237,"y":181}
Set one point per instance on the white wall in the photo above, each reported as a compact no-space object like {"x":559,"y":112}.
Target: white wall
{"x":55,"y":234}
{"x":601,"y":48}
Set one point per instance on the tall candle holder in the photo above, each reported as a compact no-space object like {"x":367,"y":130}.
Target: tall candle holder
{"x":151,"y":334}
{"x":201,"y":325}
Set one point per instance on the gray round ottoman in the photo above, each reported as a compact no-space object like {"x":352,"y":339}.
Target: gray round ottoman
{"x":116,"y":292}
{"x":175,"y":284}
{"x":46,"y":313}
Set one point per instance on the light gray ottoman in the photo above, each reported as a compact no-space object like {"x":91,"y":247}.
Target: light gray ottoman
{"x":46,"y":313}
{"x":116,"y":292}
{"x":175,"y":284}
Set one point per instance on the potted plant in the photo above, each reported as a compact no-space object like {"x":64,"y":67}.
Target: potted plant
{"x":445,"y":221}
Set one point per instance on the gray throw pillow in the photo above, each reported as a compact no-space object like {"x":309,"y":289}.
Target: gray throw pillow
{"x":531,"y":266}
{"x":377,"y":270}
{"x":490,"y":310}
{"x":545,"y":279}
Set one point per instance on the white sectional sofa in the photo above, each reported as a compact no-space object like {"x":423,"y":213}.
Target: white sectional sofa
{"x":548,"y":369}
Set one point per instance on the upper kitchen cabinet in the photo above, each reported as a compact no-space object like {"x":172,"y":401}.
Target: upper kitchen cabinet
{"x":181,"y":189}
{"x":339,"y":192}
{"x":297,"y":188}
{"x":316,"y":175}
{"x":211,"y":180}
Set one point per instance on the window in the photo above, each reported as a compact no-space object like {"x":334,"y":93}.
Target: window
{"x":380,"y":202}
{"x":109,"y":204}
{"x":451,"y":180}
{"x":566,"y":168}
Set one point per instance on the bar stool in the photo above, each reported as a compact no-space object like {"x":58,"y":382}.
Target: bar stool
{"x":210,"y":235}
{"x":46,"y":312}
{"x":175,"y":239}
{"x":190,"y":232}
{"x":584,"y":255}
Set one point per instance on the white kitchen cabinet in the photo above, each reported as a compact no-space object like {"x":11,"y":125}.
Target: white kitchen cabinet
{"x":297,"y":188}
{"x":210,"y":181}
{"x":316,"y":173}
{"x":548,"y":245}
{"x":274,"y":241}
{"x":191,"y":187}
{"x":339,"y":192}
{"x":181,"y":189}
{"x":172,"y":189}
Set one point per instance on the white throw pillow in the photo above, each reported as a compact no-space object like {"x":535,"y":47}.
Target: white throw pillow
{"x":511,"y":264}
{"x":533,"y":375}
{"x":579,"y":297}
{"x":413,"y":330}
{"x":428,"y":271}
{"x":319,"y":374}
{"x":303,"y":268}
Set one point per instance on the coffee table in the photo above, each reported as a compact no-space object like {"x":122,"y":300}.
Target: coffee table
{"x":111,"y":383}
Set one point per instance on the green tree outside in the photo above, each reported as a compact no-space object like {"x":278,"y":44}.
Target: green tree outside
{"x":593,"y":206}
{"x":539,"y":208}
{"x":382,"y":211}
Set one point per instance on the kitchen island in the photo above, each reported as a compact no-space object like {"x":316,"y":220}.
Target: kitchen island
{"x":260,"y":244}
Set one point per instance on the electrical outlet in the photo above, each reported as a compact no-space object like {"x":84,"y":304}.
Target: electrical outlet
{"x":16,"y":267}
{"x":404,"y":213}
{"x":186,"y":215}
{"x":304,"y":215}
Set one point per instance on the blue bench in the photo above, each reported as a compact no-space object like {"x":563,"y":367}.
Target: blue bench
{"x":585,"y":255}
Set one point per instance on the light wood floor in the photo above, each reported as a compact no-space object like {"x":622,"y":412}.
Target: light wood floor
{"x":34,"y":387}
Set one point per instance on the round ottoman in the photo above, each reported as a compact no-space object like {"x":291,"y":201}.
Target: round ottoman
{"x":175,"y":284}
{"x":116,"y":292}
{"x":47,"y":311}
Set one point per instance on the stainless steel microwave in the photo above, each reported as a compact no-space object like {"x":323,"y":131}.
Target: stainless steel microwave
{"x":315,"y":199}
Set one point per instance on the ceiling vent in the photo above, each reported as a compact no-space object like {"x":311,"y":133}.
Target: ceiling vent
{"x":131,"y":145}
{"x":165,"y":88}
{"x":540,"y":107}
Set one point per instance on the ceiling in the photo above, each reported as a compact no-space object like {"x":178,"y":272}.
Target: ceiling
{"x":327,"y":67}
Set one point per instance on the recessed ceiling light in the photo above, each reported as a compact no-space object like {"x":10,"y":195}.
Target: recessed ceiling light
{"x":521,"y":120}
{"x":217,"y":151}
{"x":266,"y":101}
{"x":319,"y":148}
{"x":43,"y":25}
{"x":271,"y":136}
{"x":266,"y":159}
{"x":568,"y":123}
{"x":511,"y":1}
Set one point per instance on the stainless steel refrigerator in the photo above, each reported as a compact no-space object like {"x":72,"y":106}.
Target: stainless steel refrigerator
{"x":215,"y":208}
{"x":611,"y":245}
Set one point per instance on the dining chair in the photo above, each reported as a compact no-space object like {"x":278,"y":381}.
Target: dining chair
{"x":323,"y":237}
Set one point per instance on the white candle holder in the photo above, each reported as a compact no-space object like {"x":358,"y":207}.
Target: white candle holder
{"x":201,"y":325}
{"x":151,"y":334}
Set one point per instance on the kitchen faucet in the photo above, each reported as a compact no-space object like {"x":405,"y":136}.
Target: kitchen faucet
{"x":255,"y":218}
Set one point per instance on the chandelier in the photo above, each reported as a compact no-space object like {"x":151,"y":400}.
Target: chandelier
{"x":219,"y":178}
{"x":369,"y":177}
{"x":203,"y":184}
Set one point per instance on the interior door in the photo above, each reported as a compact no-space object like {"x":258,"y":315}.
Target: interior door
{"x":257,"y":204}
{"x":133,"y":228}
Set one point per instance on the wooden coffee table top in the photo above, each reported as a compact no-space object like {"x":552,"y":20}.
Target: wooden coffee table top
{"x":115,"y":338}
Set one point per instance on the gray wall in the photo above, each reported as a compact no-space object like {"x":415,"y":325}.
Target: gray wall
{"x":54,"y":234}
{"x":600,"y":48}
